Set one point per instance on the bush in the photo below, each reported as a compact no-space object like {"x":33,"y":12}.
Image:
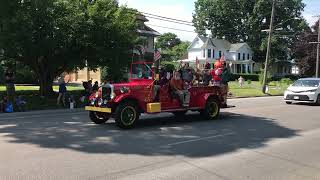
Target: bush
{"x":169,"y":66}
{"x":251,"y":77}
{"x":286,"y":81}
{"x":25,"y":76}
{"x":1,"y":75}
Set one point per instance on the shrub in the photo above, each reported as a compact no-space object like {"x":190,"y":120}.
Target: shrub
{"x":286,"y":81}
{"x":249,"y":81}
{"x":252,"y":77}
{"x":169,"y":66}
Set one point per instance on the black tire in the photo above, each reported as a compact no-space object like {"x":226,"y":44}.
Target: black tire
{"x":318,"y":100}
{"x":99,"y":118}
{"x":126,"y":115}
{"x":288,"y":102}
{"x":212,"y":109}
{"x":180,"y":114}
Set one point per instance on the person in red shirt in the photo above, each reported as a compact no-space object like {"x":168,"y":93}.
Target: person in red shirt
{"x":216,"y":73}
{"x":176,"y":85}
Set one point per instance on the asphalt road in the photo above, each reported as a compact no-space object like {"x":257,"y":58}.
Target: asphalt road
{"x":261,"y":138}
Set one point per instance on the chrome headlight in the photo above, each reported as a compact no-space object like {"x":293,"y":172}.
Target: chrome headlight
{"x":312,"y":90}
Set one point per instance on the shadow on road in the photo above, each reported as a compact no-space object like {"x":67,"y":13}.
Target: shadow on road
{"x":160,"y":135}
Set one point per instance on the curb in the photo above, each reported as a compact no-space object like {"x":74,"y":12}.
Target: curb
{"x":40,"y":112}
{"x":243,"y":97}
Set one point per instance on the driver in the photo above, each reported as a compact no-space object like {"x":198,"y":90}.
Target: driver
{"x":176,"y":84}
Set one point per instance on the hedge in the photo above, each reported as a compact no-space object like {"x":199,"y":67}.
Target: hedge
{"x":252,"y":77}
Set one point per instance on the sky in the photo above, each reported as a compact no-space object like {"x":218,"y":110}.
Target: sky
{"x":183,"y":10}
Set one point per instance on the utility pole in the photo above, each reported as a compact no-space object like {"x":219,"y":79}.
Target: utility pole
{"x":264,"y":84}
{"x":318,"y":50}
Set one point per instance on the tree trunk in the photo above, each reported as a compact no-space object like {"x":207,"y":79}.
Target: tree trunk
{"x":45,"y":82}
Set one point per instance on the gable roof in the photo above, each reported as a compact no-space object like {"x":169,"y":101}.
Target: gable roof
{"x":215,"y":42}
{"x":235,"y":47}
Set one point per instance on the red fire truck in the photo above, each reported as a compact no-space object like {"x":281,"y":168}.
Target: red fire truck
{"x":126,"y":101}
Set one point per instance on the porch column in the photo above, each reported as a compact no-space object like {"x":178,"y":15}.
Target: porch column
{"x":251,"y":68}
{"x":234,"y":68}
{"x":241,"y":69}
{"x":246,"y":65}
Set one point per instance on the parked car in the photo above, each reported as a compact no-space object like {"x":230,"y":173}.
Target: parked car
{"x":306,"y":90}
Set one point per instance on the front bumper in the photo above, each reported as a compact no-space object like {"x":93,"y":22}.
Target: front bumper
{"x":307,"y":97}
{"x":98,"y":109}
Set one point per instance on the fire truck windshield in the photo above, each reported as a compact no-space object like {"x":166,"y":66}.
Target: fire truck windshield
{"x":141,"y":71}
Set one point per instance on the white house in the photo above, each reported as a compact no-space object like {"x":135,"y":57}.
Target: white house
{"x":208,"y":49}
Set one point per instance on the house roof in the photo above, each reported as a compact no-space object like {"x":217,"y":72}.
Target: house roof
{"x":215,"y":42}
{"x":235,"y":47}
{"x":148,"y":31}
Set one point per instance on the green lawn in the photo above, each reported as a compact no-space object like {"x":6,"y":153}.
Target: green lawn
{"x":254,"y":89}
{"x":36,"y":88}
{"x":35,"y":102}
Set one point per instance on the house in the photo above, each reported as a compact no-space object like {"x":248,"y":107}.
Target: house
{"x":209,"y":49}
{"x":143,"y":51}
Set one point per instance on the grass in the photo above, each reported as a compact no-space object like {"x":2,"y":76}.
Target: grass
{"x":255,"y":89}
{"x":35,"y":102}
{"x":36,"y":88}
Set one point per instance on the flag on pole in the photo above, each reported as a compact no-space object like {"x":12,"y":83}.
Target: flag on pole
{"x":157,"y":55}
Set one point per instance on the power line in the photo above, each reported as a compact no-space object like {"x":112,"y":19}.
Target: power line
{"x":167,"y":17}
{"x":170,"y":21}
{"x":171,"y":28}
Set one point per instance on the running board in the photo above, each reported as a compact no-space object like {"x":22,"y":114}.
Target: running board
{"x":181,"y":109}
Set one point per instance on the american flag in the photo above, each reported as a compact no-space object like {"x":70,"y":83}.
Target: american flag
{"x":157,"y":55}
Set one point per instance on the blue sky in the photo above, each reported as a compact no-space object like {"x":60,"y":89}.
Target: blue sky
{"x":183,"y":9}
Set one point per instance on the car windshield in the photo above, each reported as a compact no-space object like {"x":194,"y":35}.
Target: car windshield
{"x":141,"y":71}
{"x":306,"y":83}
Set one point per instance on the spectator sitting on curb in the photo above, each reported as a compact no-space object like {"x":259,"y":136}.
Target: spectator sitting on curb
{"x":20,"y":103}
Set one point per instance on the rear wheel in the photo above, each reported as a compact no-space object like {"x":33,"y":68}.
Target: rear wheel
{"x":126,"y":115}
{"x":98,"y":117}
{"x":212,"y":109}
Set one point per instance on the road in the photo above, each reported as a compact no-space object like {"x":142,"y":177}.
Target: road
{"x":261,"y":138}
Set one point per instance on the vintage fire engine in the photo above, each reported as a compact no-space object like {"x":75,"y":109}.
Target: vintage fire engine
{"x":126,"y":101}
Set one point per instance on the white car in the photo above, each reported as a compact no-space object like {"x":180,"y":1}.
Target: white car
{"x":305,"y":90}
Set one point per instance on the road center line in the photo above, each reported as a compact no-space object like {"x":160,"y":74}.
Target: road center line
{"x":199,"y":139}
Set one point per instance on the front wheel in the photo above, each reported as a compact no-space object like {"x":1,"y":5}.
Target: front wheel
{"x":318,"y":100}
{"x":288,"y":102}
{"x":212,"y":109}
{"x":126,"y":115}
{"x":98,"y":117}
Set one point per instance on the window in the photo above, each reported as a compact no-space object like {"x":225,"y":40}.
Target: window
{"x":212,"y":53}
{"x":209,"y":53}
{"x":239,"y":56}
{"x":243,"y":56}
{"x":248,"y":56}
{"x":204,"y":53}
{"x":220,"y":54}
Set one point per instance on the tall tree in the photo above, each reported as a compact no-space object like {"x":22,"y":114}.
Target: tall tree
{"x":55,"y":36}
{"x":243,"y":20}
{"x":306,"y":53}
{"x":167,"y":40}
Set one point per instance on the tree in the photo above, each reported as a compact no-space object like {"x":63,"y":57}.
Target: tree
{"x":167,"y":41}
{"x":306,"y":53}
{"x":243,"y":20}
{"x":55,"y":36}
